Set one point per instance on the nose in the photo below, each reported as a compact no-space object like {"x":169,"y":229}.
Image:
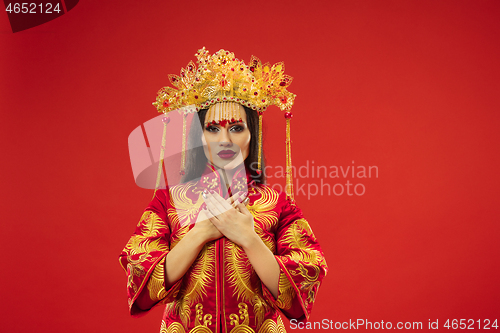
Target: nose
{"x":225,"y":138}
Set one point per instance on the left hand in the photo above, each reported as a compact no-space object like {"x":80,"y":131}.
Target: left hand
{"x":235,"y":223}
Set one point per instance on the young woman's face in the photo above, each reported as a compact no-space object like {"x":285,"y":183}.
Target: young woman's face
{"x":227,"y":146}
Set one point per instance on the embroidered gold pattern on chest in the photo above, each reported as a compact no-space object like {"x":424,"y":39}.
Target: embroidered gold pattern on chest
{"x":183,"y":209}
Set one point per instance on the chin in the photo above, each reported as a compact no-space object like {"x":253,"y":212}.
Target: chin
{"x":227,"y":164}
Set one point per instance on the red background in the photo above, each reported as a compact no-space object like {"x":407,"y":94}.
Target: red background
{"x":409,"y":86}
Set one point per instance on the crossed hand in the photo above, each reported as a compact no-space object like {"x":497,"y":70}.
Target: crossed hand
{"x":229,"y":218}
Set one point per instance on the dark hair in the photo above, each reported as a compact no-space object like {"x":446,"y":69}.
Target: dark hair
{"x":196,"y":159}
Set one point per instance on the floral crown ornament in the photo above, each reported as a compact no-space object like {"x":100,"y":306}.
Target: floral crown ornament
{"x":223,"y":78}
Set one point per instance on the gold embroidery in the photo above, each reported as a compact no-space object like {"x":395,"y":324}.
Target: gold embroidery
{"x":169,"y":309}
{"x":270,"y":326}
{"x":150,"y":225}
{"x":300,"y":243}
{"x":211,"y":183}
{"x":262,"y":208}
{"x":309,"y":281}
{"x":135,"y":268}
{"x":265,"y":216}
{"x":200,"y":275}
{"x":239,"y":276}
{"x":239,"y":184}
{"x":173,"y":328}
{"x":243,"y":327}
{"x":201,"y":322}
{"x":183,"y":208}
{"x":298,"y":236}
{"x":286,"y":293}
{"x":155,"y":284}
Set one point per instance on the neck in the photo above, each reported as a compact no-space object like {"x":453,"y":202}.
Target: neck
{"x":226,"y":176}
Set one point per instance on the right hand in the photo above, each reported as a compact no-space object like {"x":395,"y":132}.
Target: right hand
{"x":206,"y":229}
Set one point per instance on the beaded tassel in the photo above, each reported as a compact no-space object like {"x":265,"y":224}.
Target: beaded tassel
{"x":288,"y":145}
{"x":228,"y":112}
{"x":165,"y":120}
{"x":259,"y":161}
{"x":183,"y":155}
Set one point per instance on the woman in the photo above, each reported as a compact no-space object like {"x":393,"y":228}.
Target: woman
{"x":222,"y":264}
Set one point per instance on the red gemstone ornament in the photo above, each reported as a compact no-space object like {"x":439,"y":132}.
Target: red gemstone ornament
{"x":223,"y":123}
{"x":166,"y":104}
{"x":182,"y":172}
{"x":258,"y":171}
{"x":165,"y":120}
{"x":288,"y":115}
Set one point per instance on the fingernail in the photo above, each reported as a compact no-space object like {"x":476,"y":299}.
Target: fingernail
{"x":212,"y":191}
{"x":203,"y":194}
{"x":205,"y":191}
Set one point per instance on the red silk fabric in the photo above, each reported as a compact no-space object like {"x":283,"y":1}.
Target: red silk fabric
{"x":221,"y":291}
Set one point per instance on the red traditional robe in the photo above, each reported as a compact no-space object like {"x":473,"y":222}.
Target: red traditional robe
{"x":221,"y":291}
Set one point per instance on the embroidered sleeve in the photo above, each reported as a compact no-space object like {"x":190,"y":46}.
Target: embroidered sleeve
{"x":302,"y":265}
{"x":143,"y":259}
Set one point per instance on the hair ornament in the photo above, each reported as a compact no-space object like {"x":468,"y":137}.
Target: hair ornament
{"x":223,"y":78}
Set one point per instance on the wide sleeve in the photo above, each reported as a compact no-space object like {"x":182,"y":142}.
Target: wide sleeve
{"x":143,"y":259}
{"x":302,"y":264}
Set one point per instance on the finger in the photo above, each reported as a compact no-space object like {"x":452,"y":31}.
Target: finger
{"x":211,"y":217}
{"x":235,"y":198}
{"x":238,"y":198}
{"x":244,"y":202}
{"x":219,"y":201}
{"x":243,"y":209}
{"x":211,"y":204}
{"x":214,"y":209}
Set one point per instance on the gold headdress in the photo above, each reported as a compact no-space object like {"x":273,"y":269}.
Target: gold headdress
{"x":220,"y":78}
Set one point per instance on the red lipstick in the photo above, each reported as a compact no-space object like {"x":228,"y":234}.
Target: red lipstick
{"x":226,"y":154}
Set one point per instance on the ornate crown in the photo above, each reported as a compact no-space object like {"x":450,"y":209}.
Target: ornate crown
{"x":222,"y":77}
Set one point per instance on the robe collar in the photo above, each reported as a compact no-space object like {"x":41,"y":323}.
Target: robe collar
{"x":211,"y":180}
